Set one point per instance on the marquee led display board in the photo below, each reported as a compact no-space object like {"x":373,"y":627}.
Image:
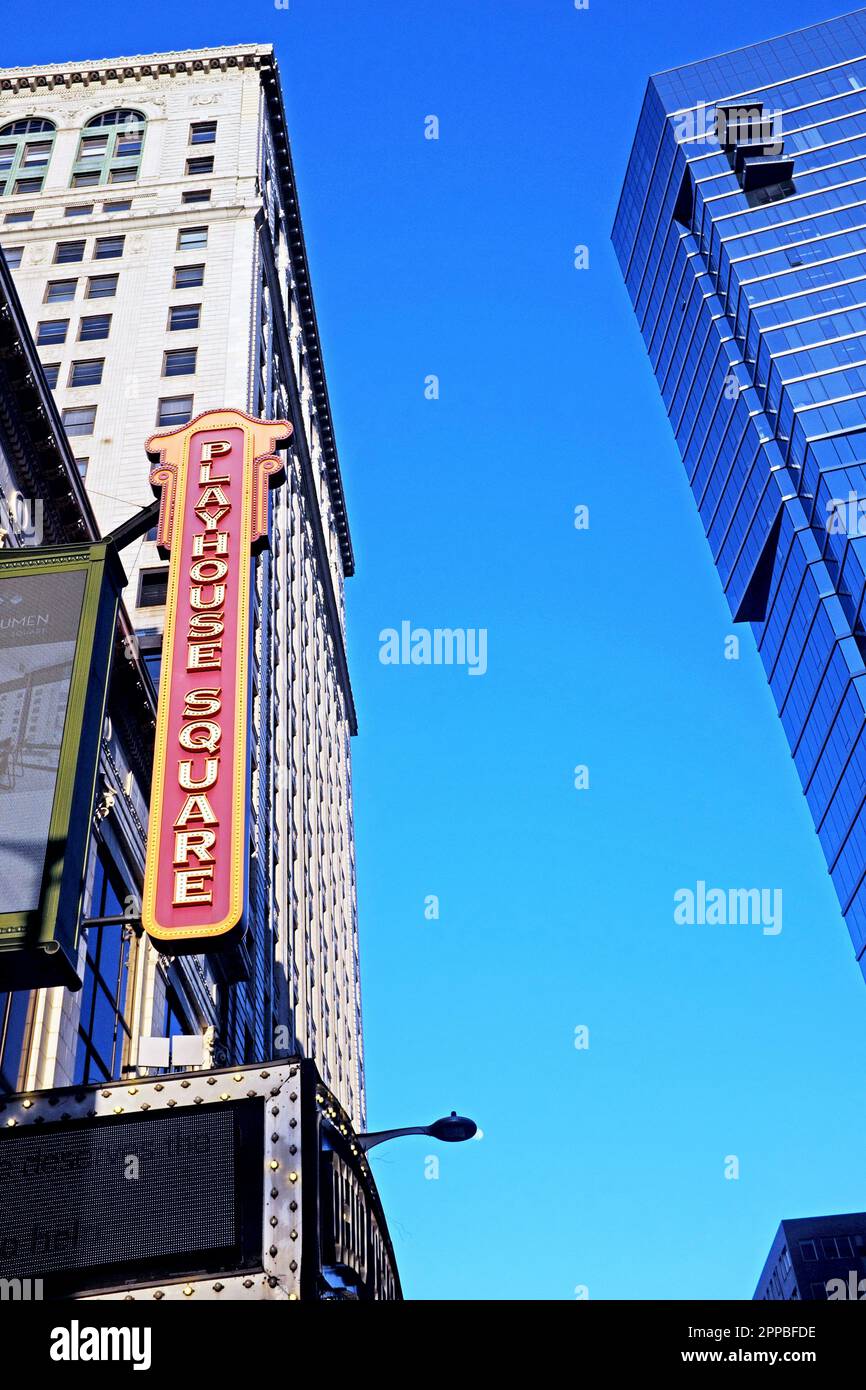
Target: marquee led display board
{"x":213,"y":477}
{"x":243,"y":1183}
{"x":94,"y":1203}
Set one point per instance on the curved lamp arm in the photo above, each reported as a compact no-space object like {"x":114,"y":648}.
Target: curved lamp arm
{"x":453,"y":1129}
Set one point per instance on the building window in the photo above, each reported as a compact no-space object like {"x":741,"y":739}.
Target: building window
{"x":174,"y":410}
{"x":17,"y":219}
{"x":94,"y":326}
{"x":836,"y":1248}
{"x":202,"y":132}
{"x":117,"y":207}
{"x":110,"y":148}
{"x":153,"y":587}
{"x":13,"y":256}
{"x":183,"y":316}
{"x":187,"y":277}
{"x":13,"y":1026}
{"x":92,"y":148}
{"x":69,"y":251}
{"x":89,"y":179}
{"x":196,"y":195}
{"x":79,"y":210}
{"x":79,"y":420}
{"x":36,"y":154}
{"x":174,"y":1023}
{"x":87,"y":373}
{"x":153,"y":662}
{"x":81,"y":465}
{"x":102,"y":287}
{"x":203,"y":164}
{"x":51,"y":373}
{"x":150,"y":646}
{"x":107,"y":247}
{"x":180,"y":363}
{"x":129,"y":142}
{"x":808,"y":1250}
{"x":102,"y":1028}
{"x":191,"y":238}
{"x":60,"y":291}
{"x":51,"y":331}
{"x":25,"y":145}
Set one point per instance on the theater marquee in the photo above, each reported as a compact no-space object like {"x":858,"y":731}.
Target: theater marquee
{"x":248,"y":1184}
{"x":213,"y":475}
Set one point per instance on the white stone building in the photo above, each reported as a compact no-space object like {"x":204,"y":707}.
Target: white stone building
{"x":149,"y":212}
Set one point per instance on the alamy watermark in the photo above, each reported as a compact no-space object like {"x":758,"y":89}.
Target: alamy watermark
{"x":21,"y":1290}
{"x":734,"y":907}
{"x":847,"y":516}
{"x":21,"y":520}
{"x":840,"y":1289}
{"x":77,"y":1343}
{"x":438,"y":646}
{"x":727,"y":126}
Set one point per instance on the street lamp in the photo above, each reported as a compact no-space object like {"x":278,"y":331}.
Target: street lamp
{"x":452,"y":1129}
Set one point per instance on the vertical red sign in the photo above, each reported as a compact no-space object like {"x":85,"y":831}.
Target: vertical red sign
{"x":213,"y":476}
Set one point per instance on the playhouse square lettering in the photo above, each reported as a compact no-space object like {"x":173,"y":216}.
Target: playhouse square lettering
{"x":196,"y":826}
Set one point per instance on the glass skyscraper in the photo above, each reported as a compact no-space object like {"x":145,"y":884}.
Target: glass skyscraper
{"x":741,"y":234}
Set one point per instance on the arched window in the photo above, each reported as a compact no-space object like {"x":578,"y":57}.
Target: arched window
{"x":25,"y":150}
{"x":109,"y":150}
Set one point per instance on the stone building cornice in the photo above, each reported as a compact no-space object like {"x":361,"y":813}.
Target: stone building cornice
{"x":100,"y":71}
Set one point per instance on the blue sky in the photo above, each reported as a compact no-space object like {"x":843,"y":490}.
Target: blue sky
{"x":601,"y":1167}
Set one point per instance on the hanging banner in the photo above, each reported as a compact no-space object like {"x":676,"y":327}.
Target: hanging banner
{"x":58,"y":609}
{"x":213,"y":476}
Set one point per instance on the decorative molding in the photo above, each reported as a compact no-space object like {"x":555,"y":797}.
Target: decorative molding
{"x":190,"y":62}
